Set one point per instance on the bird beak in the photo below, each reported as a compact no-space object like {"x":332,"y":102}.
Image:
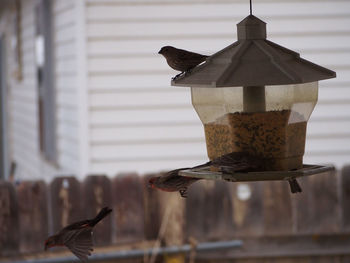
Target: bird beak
{"x":159,"y":52}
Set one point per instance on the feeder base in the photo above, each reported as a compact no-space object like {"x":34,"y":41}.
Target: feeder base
{"x":205,"y":173}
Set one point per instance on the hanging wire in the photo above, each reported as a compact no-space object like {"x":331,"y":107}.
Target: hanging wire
{"x":250,"y":3}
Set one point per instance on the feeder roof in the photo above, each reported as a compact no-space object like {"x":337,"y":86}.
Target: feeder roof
{"x":253,"y":61}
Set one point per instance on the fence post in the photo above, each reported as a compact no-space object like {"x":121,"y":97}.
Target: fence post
{"x":277,"y":208}
{"x":65,"y":202}
{"x":9,"y":230}
{"x":128,"y":206}
{"x":209,"y":210}
{"x":33,"y":222}
{"x":247,"y":201}
{"x":345,"y":196}
{"x":325,"y":206}
{"x":97,"y":194}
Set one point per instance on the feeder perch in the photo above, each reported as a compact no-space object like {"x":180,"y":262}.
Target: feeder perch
{"x":256,"y":96}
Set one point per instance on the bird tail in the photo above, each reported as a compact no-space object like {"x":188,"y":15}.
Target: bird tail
{"x":102,"y":214}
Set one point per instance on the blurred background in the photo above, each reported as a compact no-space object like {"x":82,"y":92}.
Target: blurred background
{"x":84,"y":92}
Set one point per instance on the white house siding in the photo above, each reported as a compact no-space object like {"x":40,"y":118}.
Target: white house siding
{"x":66,"y":37}
{"x":138,"y":122}
{"x":23,"y":95}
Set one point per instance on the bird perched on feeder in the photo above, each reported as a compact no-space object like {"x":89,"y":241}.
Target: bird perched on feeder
{"x":77,"y":237}
{"x":172,"y":182}
{"x":181,"y":60}
{"x":228,"y":163}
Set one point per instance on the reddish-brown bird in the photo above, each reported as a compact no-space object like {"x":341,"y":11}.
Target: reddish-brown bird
{"x":181,"y":60}
{"x":172,"y":182}
{"x":77,"y":237}
{"x":228,"y":163}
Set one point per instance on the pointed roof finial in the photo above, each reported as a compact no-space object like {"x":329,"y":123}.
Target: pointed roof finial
{"x":250,"y":2}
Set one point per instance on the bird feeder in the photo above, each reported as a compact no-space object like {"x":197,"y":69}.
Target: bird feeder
{"x":256,"y":96}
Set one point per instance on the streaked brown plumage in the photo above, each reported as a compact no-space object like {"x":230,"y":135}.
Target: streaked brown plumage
{"x":181,"y":60}
{"x":172,"y":182}
{"x":77,"y":237}
{"x":228,"y":163}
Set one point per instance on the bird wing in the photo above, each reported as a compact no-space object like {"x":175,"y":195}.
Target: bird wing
{"x":234,"y":162}
{"x":79,"y":242}
{"x":191,"y":59}
{"x":76,"y":225}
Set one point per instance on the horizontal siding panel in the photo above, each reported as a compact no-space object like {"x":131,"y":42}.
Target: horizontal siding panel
{"x":28,"y":84}
{"x":26,"y":131}
{"x":25,"y":107}
{"x":66,"y":81}
{"x":328,"y":128}
{"x":63,"y":51}
{"x":23,"y":117}
{"x":190,"y":28}
{"x":68,"y":164}
{"x":335,"y":144}
{"x":327,"y":158}
{"x":28,"y":46}
{"x":139,"y":99}
{"x":64,"y":19}
{"x":66,"y":65}
{"x":67,"y":114}
{"x":28,"y":32}
{"x":66,"y":146}
{"x":329,"y":110}
{"x":115,"y":64}
{"x":28,"y":59}
{"x":25,"y":93}
{"x":147,"y":151}
{"x":157,"y":62}
{"x":204,"y":9}
{"x":26,"y":169}
{"x":145,"y":134}
{"x":62,"y":5}
{"x":111,"y":168}
{"x":29,"y":146}
{"x":213,"y":43}
{"x":69,"y":99}
{"x":333,"y":93}
{"x":145,"y":81}
{"x":65,"y":33}
{"x":323,"y":59}
{"x":156,"y":116}
{"x":67,"y":130}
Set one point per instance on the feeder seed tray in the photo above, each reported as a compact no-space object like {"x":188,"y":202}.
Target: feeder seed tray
{"x":205,"y":173}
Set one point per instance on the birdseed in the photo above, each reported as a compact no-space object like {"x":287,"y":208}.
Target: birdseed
{"x":266,"y":134}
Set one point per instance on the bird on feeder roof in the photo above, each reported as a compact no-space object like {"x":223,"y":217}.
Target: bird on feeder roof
{"x":181,"y":60}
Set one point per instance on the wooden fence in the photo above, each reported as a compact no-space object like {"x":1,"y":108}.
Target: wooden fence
{"x":271,"y":221}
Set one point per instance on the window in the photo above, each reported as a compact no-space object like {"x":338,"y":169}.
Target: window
{"x":45,"y":80}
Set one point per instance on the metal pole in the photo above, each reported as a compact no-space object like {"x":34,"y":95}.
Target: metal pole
{"x":126,"y":254}
{"x":254,"y":99}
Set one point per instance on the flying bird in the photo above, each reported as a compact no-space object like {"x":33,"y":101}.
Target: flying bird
{"x":181,"y":60}
{"x":228,"y":163}
{"x":77,"y":237}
